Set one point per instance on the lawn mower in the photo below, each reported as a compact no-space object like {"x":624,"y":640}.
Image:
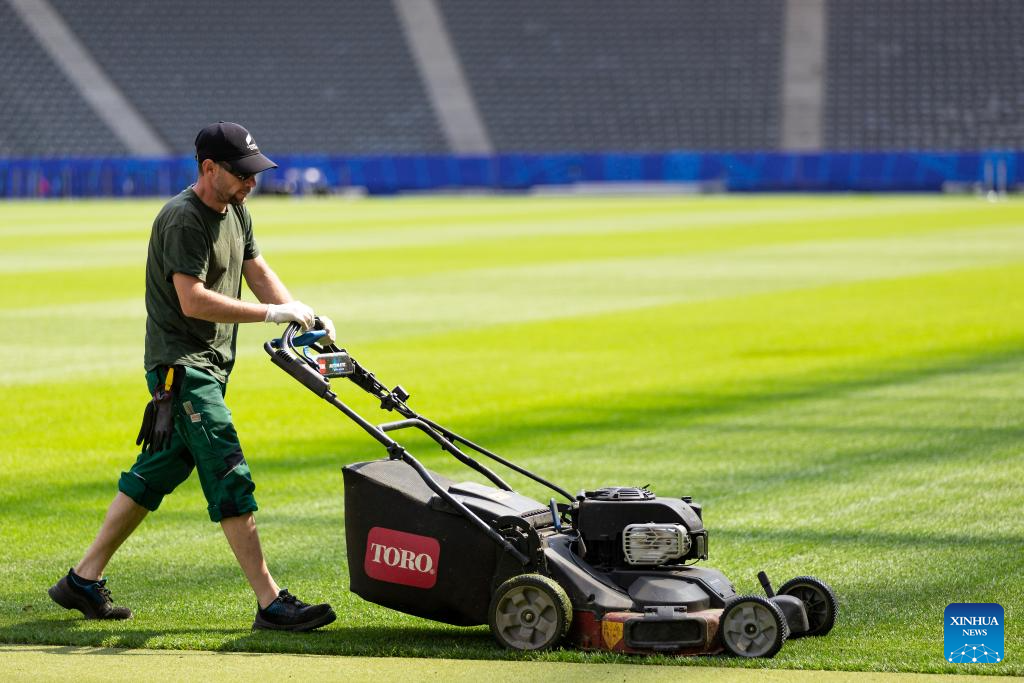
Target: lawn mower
{"x":610,"y":569}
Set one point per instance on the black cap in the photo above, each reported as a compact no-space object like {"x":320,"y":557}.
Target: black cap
{"x":232,"y":144}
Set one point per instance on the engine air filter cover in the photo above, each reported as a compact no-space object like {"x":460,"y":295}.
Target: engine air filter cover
{"x":621,"y":493}
{"x":654,"y":544}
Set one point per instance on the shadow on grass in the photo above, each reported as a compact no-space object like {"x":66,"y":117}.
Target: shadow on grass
{"x":63,"y":639}
{"x":339,"y":639}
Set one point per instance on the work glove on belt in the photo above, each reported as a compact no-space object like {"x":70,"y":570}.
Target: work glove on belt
{"x":158,"y":418}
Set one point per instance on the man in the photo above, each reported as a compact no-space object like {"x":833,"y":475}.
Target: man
{"x":200,"y":248}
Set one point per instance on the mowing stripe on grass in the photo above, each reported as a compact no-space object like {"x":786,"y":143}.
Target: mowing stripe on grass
{"x":345,"y":233}
{"x":391,"y":307}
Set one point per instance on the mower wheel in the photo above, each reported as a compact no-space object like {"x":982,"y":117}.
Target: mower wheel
{"x":752,"y":626}
{"x":820,"y":602}
{"x":529,"y":612}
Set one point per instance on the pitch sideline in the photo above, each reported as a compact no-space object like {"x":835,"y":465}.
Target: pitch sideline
{"x":61,"y":663}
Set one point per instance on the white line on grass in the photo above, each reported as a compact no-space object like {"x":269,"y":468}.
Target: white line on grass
{"x":49,"y":663}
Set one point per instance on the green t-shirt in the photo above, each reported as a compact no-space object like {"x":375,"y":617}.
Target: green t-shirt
{"x":191,"y":238}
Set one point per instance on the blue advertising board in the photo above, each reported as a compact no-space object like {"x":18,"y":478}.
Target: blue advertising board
{"x":736,"y":172}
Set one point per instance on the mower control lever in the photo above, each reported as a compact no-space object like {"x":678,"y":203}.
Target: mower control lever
{"x":766,"y":584}
{"x":555,"y":519}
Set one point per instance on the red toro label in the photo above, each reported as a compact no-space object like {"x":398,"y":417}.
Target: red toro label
{"x":399,"y":557}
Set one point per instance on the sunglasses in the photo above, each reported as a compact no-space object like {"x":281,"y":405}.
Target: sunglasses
{"x":241,"y":176}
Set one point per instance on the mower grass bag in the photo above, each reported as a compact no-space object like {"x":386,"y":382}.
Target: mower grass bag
{"x":411,"y":551}
{"x":613,"y":569}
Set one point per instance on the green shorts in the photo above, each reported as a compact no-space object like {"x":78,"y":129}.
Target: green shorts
{"x":204,"y":439}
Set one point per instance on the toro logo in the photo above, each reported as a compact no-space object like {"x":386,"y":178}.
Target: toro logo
{"x":400,"y":557}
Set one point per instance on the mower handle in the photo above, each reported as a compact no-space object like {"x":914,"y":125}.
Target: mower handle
{"x":390,"y":399}
{"x":304,"y":339}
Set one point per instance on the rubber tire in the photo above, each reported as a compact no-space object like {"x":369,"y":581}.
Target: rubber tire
{"x":819,"y":600}
{"x":538,"y":592}
{"x":769,"y":609}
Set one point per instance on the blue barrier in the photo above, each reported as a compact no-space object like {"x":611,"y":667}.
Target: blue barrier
{"x":746,"y":172}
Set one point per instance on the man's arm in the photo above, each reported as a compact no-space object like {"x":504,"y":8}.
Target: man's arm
{"x":263,"y":282}
{"x":199,"y":302}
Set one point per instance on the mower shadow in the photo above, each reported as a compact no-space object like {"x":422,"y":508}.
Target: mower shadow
{"x":337,"y":639}
{"x":352,"y":639}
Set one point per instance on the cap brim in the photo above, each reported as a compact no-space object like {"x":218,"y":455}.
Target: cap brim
{"x":254,"y":163}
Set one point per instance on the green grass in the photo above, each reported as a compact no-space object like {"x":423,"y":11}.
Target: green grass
{"x":837,"y":379}
{"x":36,"y":663}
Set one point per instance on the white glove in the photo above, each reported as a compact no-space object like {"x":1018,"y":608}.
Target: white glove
{"x":330,"y":338}
{"x":291,"y":312}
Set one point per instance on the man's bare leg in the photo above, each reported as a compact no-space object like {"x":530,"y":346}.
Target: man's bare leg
{"x":123,"y":517}
{"x":290,"y":614}
{"x":245,"y":543}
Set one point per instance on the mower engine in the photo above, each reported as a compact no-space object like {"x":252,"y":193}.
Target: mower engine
{"x":643,"y":547}
{"x":623,"y":526}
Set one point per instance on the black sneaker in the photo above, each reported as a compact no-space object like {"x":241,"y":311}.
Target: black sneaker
{"x":288,"y":613}
{"x":91,"y":598}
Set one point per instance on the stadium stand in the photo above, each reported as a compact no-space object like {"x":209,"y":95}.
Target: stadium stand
{"x":329,"y":77}
{"x":559,"y":76}
{"x":925,"y":75}
{"x":41,"y":114}
{"x":314,"y":77}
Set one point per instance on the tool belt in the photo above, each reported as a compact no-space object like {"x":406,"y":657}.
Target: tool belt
{"x":158,"y":418}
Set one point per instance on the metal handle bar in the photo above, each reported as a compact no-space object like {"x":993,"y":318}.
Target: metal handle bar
{"x":449,"y":447}
{"x":366,"y":381}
